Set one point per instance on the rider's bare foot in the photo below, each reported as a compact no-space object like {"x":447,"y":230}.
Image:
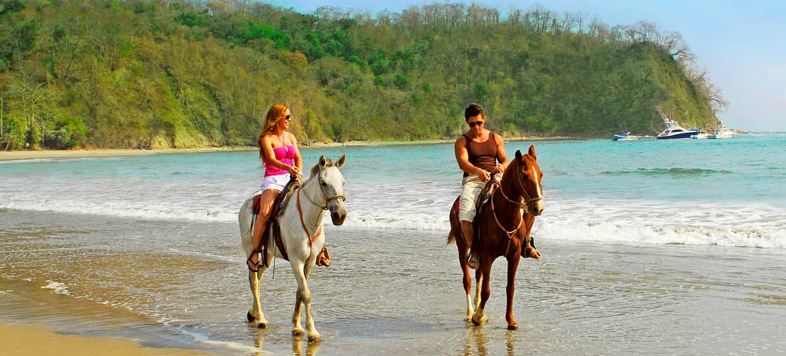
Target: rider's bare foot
{"x":532,"y":252}
{"x":253,"y":262}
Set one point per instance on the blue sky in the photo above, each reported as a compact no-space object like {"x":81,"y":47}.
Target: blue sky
{"x":741,"y":44}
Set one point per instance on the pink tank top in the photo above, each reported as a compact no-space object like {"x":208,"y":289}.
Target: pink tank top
{"x":285,"y":154}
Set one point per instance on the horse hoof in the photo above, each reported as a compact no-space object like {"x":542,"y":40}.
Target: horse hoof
{"x":513,"y":326}
{"x":250,"y":317}
{"x":297,"y":332}
{"x":262,"y":325}
{"x":313,"y":338}
{"x":480,"y":322}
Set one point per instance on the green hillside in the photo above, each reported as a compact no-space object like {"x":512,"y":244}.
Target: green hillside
{"x":152,"y":74}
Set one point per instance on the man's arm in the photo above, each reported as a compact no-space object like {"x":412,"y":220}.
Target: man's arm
{"x":502,"y":156}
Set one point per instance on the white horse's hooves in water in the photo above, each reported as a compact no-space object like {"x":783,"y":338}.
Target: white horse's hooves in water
{"x":297,"y":332}
{"x":484,"y":319}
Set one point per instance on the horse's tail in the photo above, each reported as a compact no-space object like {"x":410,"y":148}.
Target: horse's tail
{"x":455,"y":225}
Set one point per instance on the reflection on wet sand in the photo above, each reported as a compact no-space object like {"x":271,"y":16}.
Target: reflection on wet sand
{"x":297,"y":346}
{"x":510,"y":342}
{"x":296,"y":343}
{"x":475,"y":337}
{"x":476,"y":343}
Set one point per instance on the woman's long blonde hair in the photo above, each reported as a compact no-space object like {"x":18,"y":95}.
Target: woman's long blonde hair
{"x":271,"y":119}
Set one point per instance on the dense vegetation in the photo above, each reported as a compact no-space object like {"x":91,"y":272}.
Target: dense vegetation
{"x":169,"y":73}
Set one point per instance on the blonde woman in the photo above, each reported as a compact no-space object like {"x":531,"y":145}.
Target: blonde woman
{"x":278,"y":149}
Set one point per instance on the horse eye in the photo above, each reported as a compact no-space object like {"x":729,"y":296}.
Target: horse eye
{"x":324,"y":184}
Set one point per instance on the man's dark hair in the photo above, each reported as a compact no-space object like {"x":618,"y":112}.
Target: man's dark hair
{"x":472,"y":110}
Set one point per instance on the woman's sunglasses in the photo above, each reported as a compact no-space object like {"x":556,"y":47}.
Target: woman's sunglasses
{"x":475,"y":123}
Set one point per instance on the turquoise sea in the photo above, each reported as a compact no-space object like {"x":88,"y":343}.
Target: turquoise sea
{"x":726,"y":192}
{"x":650,"y":247}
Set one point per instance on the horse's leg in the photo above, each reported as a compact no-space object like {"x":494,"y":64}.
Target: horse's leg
{"x":483,"y":279}
{"x":255,"y":280}
{"x":513,"y":264}
{"x":478,"y":284}
{"x":304,"y":297}
{"x":297,"y":329}
{"x":313,"y":335}
{"x":462,"y":255}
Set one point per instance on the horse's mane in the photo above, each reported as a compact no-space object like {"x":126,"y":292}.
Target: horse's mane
{"x":314,"y":172}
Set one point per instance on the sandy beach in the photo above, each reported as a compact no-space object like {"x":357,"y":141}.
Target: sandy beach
{"x":37,"y":340}
{"x":173,"y":284}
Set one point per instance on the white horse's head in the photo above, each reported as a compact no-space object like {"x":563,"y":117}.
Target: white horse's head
{"x":331,"y":184}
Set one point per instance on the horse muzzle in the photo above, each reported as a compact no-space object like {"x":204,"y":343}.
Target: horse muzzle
{"x":338,"y":216}
{"x":535,"y":207}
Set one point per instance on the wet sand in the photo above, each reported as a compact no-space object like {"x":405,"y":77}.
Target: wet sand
{"x":37,"y":340}
{"x":183,"y":285}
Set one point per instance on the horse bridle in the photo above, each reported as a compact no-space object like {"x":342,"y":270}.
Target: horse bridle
{"x":527,"y":198}
{"x":328,"y":198}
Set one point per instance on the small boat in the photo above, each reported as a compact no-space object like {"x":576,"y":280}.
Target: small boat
{"x":673,"y":129}
{"x":700,"y":136}
{"x":722,"y":132}
{"x":624,"y":136}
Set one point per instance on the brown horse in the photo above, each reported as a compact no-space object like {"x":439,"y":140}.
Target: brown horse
{"x":502,"y":230}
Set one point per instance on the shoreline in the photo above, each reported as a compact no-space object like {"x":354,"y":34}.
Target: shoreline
{"x":128,"y":152}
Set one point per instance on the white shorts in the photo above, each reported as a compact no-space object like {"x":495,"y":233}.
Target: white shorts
{"x":471,"y":187}
{"x":276,"y":182}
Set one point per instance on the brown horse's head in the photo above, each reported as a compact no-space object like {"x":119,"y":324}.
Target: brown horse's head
{"x":527,"y":177}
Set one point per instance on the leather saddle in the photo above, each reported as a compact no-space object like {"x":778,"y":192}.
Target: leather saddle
{"x":480,"y":204}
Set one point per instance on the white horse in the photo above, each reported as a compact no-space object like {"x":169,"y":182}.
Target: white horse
{"x":323,"y":190}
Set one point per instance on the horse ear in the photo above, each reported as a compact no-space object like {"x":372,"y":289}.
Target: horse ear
{"x":532,"y":152}
{"x":322,"y":160}
{"x":518,"y":155}
{"x":341,"y":161}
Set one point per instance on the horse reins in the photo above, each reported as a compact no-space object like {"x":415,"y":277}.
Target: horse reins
{"x":527,"y":199}
{"x":328,"y":199}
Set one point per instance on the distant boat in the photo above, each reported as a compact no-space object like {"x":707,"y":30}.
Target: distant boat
{"x":722,"y":132}
{"x":673,"y":129}
{"x":624,"y":136}
{"x":700,"y":136}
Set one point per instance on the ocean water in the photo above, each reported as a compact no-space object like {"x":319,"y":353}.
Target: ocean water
{"x":705,"y":192}
{"x":649,"y":247}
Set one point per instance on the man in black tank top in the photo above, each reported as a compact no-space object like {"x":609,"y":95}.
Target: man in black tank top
{"x":479,"y":152}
